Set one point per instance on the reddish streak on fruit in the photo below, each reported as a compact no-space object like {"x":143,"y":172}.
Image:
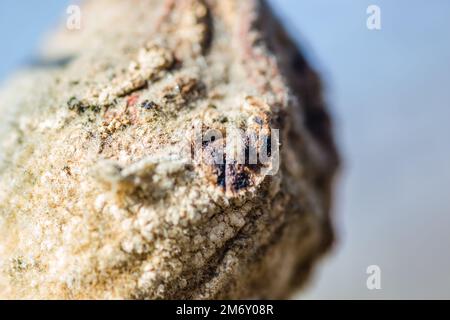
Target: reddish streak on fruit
{"x":131,"y":101}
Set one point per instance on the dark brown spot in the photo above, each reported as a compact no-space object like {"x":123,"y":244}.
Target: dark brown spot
{"x":148,"y":105}
{"x":67,"y":170}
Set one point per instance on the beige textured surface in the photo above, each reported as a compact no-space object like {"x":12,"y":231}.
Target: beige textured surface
{"x":97,"y":196}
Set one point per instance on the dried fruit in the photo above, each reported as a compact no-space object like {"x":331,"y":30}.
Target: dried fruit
{"x":123,"y":202}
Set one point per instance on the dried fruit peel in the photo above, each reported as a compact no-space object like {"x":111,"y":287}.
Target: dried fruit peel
{"x":97,"y":198}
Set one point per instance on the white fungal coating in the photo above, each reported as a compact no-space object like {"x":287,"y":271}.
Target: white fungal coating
{"x":99,"y":194}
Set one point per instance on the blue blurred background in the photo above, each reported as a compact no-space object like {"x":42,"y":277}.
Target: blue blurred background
{"x":389,"y":91}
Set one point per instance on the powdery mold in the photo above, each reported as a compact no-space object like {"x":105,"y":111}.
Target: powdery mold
{"x":104,"y":192}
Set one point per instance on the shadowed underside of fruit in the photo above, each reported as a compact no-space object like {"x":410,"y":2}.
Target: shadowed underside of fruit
{"x":100,"y":196}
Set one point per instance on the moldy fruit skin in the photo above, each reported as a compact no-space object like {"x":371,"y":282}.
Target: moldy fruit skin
{"x":96,"y":197}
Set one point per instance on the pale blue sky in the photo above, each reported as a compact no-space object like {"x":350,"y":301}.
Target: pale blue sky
{"x":389,"y":93}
